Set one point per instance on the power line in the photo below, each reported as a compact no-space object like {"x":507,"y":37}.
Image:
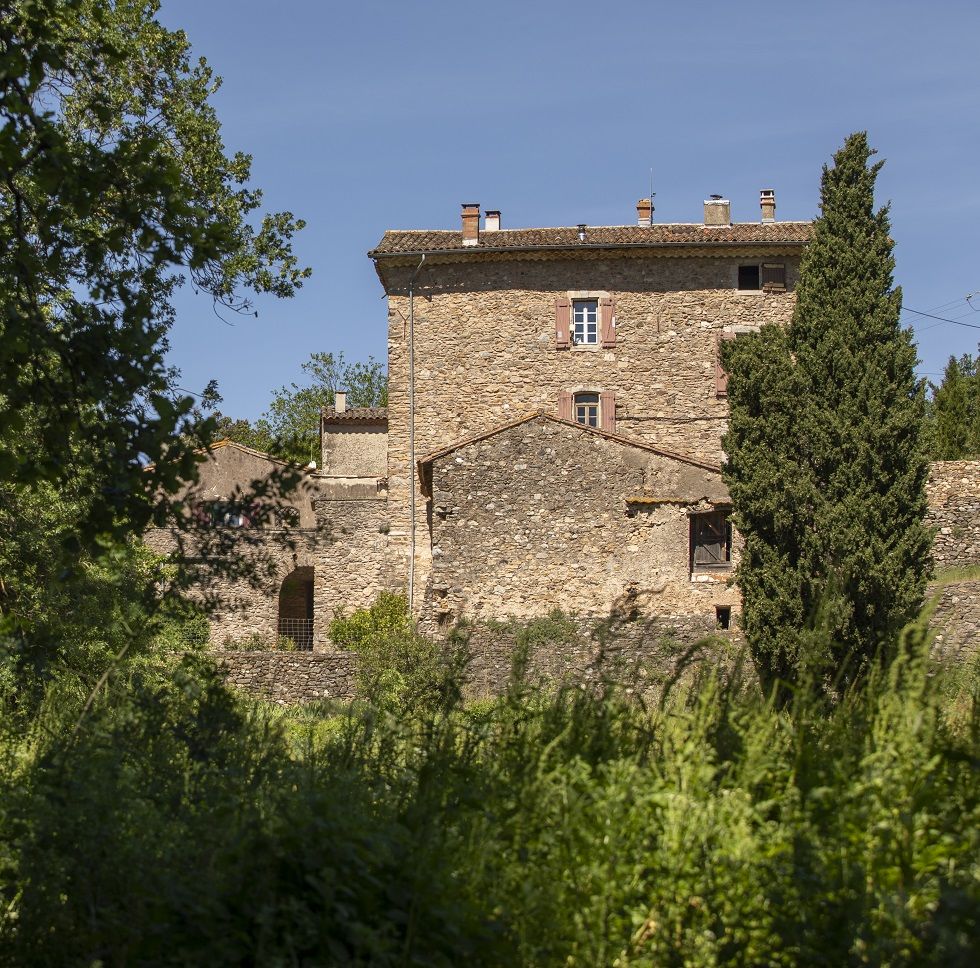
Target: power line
{"x":942,"y":319}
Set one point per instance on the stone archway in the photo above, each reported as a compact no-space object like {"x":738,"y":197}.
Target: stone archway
{"x":296,"y":608}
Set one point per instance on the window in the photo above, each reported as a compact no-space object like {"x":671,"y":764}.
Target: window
{"x":769,"y":276}
{"x":748,"y":277}
{"x":723,"y":617}
{"x":586,"y":409}
{"x":585,"y":322}
{"x":711,"y":541}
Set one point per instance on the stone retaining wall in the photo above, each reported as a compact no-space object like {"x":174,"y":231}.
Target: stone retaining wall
{"x":957,"y":620}
{"x":288,"y":677}
{"x":954,"y":511}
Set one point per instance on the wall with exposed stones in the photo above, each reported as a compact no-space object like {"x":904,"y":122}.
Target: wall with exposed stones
{"x":546,"y":515}
{"x":576,"y":650}
{"x":954,"y":511}
{"x":353,"y":559}
{"x":485,"y":349}
{"x":355,"y":450}
{"x":289,"y":677}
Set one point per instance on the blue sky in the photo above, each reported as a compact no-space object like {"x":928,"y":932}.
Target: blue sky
{"x":385,"y":114}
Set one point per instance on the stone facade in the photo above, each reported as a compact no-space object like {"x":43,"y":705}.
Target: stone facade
{"x":954,"y":511}
{"x":288,"y":677}
{"x":549,"y":514}
{"x":485,"y":348}
{"x":519,"y":509}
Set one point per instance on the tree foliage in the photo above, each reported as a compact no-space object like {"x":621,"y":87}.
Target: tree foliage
{"x":290,"y":428}
{"x":115,"y":189}
{"x":827,"y":465}
{"x":953,"y":422}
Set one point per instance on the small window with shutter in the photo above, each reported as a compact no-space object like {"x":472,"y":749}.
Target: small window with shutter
{"x":774,"y":276}
{"x":711,"y":541}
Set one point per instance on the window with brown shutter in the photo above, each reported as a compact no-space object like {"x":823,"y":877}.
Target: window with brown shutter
{"x":565,"y":405}
{"x":607,"y":411}
{"x":721,"y":375}
{"x":774,"y":276}
{"x":607,"y":312}
{"x":563,"y":322}
{"x":711,"y":541}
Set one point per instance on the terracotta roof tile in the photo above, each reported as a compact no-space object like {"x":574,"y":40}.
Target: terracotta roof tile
{"x":402,"y":242}
{"x":365,"y":415}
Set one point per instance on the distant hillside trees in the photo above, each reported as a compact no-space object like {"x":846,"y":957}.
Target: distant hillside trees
{"x":954,"y":411}
{"x":827,"y":461}
{"x":290,"y":428}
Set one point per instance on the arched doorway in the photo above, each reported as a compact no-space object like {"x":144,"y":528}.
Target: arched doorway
{"x":296,"y":608}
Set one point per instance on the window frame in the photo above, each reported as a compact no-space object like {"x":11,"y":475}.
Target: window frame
{"x":698,"y":520}
{"x":572,"y":338}
{"x":596,"y":404}
{"x":777,"y":281}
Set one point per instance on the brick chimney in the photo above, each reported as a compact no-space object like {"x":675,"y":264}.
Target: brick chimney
{"x":471,"y":223}
{"x":644,"y":212}
{"x":767,"y":202}
{"x":717,"y":211}
{"x":492,"y":221}
{"x":340,"y":401}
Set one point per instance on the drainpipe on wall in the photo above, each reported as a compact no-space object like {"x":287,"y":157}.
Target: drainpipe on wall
{"x":411,"y":432}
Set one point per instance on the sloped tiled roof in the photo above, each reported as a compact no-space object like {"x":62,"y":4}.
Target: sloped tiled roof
{"x":364,"y":415}
{"x":594,"y":431}
{"x":397,"y":242}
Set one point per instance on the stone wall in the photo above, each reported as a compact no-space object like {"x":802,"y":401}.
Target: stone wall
{"x":543,"y":515}
{"x":355,"y":450}
{"x":289,"y":677}
{"x":353,"y":560}
{"x":954,"y":511}
{"x":661,"y":649}
{"x":956,"y":620}
{"x":485,"y":350}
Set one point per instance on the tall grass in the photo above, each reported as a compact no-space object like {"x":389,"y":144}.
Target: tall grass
{"x":579,"y":827}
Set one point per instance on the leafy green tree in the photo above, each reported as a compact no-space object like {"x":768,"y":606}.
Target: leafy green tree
{"x":954,"y":414}
{"x":115,"y":189}
{"x":290,"y":428}
{"x":827,"y":465}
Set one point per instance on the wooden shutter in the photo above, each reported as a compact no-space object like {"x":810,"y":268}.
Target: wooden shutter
{"x":563,"y":320}
{"x":607,"y":321}
{"x":774,"y":276}
{"x":710,"y":539}
{"x":721,"y":377}
{"x":607,"y":412}
{"x":565,"y":405}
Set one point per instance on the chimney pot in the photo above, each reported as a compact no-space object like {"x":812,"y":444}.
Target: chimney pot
{"x":717,"y":211}
{"x":581,"y":231}
{"x":471,"y":223}
{"x":492,"y":223}
{"x":644,"y":212}
{"x":767,"y":202}
{"x":340,"y":401}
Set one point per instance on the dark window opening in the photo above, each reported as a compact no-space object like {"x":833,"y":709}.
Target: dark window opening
{"x":748,"y":277}
{"x":296,"y":608}
{"x":723,"y":617}
{"x":711,"y":541}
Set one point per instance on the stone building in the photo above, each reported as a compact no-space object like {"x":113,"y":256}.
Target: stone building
{"x":552,"y":437}
{"x":611,"y":335}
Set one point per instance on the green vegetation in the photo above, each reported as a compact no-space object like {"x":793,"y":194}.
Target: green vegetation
{"x":827,"y":465}
{"x":290,"y":428}
{"x":149,"y":816}
{"x":182,"y":826}
{"x":953,"y":414}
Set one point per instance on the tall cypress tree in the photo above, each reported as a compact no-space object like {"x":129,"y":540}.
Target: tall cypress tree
{"x":827,"y":463}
